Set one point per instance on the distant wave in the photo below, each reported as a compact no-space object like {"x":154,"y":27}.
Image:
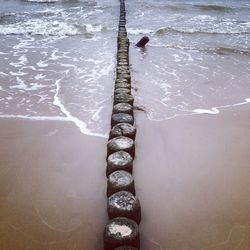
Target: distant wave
{"x":139,"y":31}
{"x":50,"y":22}
{"x":202,"y":7}
{"x":166,"y":30}
{"x":218,"y":50}
{"x":43,"y":1}
{"x":40,"y":27}
{"x":50,"y":28}
{"x":213,"y":7}
{"x":227,"y":50}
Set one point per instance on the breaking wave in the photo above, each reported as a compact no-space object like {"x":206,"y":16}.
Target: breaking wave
{"x":40,"y":27}
{"x":43,"y":1}
{"x":167,"y":30}
{"x":50,"y":28}
{"x":216,"y":50}
{"x":228,"y":51}
{"x":201,"y":7}
{"x":212,"y":7}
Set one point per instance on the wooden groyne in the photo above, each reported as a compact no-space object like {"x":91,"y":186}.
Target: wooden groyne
{"x":122,"y":231}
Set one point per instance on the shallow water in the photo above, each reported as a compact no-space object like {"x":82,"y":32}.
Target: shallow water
{"x":193,"y":183}
{"x":197,"y":59}
{"x":57,"y":61}
{"x":58,"y":58}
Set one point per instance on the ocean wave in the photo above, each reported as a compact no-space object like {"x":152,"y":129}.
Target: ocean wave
{"x":166,"y":30}
{"x":51,"y":21}
{"x":39,"y":27}
{"x":212,"y":7}
{"x":202,"y":7}
{"x":216,"y":110}
{"x":139,"y":31}
{"x":51,"y":28}
{"x":43,"y":1}
{"x":37,"y":118}
{"x":217,"y":50}
{"x":228,"y":51}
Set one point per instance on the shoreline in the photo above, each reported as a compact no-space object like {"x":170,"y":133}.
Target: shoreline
{"x":52,"y":186}
{"x":77,"y":122}
{"x":191,"y":176}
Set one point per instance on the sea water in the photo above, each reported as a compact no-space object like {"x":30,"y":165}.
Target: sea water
{"x":198,"y":57}
{"x":58,"y":61}
{"x":57,"y":58}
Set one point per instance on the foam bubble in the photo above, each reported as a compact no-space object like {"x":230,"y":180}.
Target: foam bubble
{"x":92,"y":28}
{"x":37,"y":118}
{"x":216,"y":110}
{"x":212,"y":111}
{"x":42,"y":64}
{"x":79,"y":123}
{"x":20,"y":85}
{"x":139,"y":31}
{"x":40,"y":27}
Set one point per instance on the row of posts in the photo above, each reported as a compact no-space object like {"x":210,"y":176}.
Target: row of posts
{"x":124,"y":211}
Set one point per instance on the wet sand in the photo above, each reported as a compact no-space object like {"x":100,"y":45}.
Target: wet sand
{"x":193,"y":179}
{"x":53,"y":186}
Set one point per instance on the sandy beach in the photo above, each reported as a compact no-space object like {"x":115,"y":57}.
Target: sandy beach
{"x":190,"y":88}
{"x":191,"y":173}
{"x":52,"y":186}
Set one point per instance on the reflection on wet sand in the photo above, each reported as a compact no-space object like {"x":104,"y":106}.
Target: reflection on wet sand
{"x":194,"y":181}
{"x":193,"y":184}
{"x":52,"y":187}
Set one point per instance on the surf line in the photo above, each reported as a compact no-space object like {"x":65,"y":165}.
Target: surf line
{"x":124,"y":211}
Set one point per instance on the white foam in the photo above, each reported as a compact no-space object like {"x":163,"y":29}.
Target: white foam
{"x":37,"y":118}
{"x":32,"y":86}
{"x":212,"y":111}
{"x":96,"y":115}
{"x":39,"y":76}
{"x":22,"y":61}
{"x":91,"y":28}
{"x":216,"y":110}
{"x":40,"y":27}
{"x":17,"y":73}
{"x":43,"y":1}
{"x":42,"y":64}
{"x":123,"y":230}
{"x":203,"y":18}
{"x":80,"y":124}
{"x":139,"y":31}
{"x":20,"y":85}
{"x":94,"y":61}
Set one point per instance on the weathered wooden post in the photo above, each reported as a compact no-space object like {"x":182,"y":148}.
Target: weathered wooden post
{"x":123,"y":207}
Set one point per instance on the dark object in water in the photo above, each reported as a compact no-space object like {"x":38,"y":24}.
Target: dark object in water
{"x":142,"y":42}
